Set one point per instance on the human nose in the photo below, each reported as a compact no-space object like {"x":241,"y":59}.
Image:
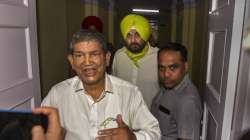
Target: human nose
{"x":167,"y":72}
{"x":87,"y":60}
{"x":133,"y":38}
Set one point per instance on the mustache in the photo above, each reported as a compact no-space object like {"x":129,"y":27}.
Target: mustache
{"x":165,"y":78}
{"x":89,"y":66}
{"x":134,"y":44}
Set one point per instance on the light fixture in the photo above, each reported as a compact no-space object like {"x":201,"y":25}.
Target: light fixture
{"x":152,"y":11}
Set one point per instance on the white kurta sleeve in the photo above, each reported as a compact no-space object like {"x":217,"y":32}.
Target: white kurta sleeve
{"x":144,"y":124}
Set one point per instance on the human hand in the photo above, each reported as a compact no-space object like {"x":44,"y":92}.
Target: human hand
{"x":121,"y":133}
{"x":54,"y":131}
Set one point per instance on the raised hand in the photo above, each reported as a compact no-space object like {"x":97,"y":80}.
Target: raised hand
{"x":121,"y":133}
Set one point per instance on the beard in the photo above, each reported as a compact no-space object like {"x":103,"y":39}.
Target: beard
{"x":135,"y":47}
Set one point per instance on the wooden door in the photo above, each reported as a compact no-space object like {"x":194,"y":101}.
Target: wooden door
{"x":225,"y":28}
{"x":19,"y":70}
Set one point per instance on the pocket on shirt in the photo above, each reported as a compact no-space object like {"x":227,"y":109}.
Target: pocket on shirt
{"x":166,"y":126}
{"x":164,"y":119}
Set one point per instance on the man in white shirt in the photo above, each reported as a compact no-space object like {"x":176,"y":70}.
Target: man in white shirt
{"x":136,"y":62}
{"x":95,"y":105}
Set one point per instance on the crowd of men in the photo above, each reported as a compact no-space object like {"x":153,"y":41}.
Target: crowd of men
{"x":147,"y":95}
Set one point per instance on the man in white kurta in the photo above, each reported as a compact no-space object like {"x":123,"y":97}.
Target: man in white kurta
{"x":145,"y":77}
{"x":137,"y":61}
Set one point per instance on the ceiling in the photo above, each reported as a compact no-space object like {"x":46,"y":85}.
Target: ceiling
{"x":149,"y":4}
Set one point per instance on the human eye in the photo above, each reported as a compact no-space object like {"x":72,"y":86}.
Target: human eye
{"x":77,"y":55}
{"x":129,"y":35}
{"x":96,"y":53}
{"x":174,"y":67}
{"x":161,"y":68}
{"x":137,"y":34}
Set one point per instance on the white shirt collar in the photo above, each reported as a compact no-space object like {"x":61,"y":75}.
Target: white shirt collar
{"x":78,"y":85}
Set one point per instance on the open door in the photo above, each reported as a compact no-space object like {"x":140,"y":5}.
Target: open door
{"x":225,"y":34}
{"x":241,"y":119}
{"x":19,"y":71}
{"x":225,"y":29}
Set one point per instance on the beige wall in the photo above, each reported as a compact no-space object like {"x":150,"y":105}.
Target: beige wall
{"x":173,"y":25}
{"x":188,"y":36}
{"x":52,"y":42}
{"x":189,"y":27}
{"x":199,"y":57}
{"x":103,"y":14}
{"x":183,"y":28}
{"x":164,"y":28}
{"x":75,"y":15}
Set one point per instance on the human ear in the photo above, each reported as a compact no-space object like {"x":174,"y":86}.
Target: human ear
{"x":186,"y":67}
{"x":108,"y":56}
{"x":70,"y":59}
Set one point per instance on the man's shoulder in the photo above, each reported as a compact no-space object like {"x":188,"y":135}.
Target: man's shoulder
{"x":188,"y":92}
{"x":60,"y":92}
{"x":190,"y":97}
{"x":154,"y":49}
{"x":125,"y":90}
{"x":186,"y":88}
{"x":152,"y":53}
{"x":191,"y":89}
{"x":123,"y":87}
{"x":65,"y":83}
{"x":118,"y":82}
{"x":120,"y":51}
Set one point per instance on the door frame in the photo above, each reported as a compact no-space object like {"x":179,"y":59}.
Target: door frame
{"x":234,"y":58}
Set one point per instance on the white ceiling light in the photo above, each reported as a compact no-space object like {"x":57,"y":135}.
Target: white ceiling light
{"x":155,"y":11}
